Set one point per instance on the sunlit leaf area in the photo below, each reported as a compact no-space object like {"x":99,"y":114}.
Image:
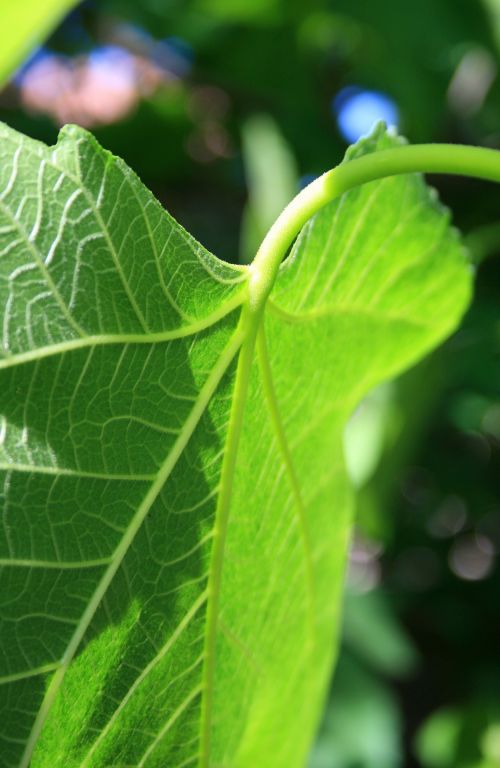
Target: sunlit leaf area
{"x":133,"y":428}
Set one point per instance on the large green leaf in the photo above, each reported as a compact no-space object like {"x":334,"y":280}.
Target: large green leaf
{"x":175,"y":509}
{"x":23,"y":25}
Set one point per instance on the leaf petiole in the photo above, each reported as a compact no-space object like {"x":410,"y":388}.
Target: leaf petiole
{"x":457,"y":159}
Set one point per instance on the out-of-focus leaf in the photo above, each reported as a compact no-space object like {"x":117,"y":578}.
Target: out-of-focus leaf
{"x":364,"y":437}
{"x":466,"y":737}
{"x":374,"y":634}
{"x":483,"y":242}
{"x":490,"y":743}
{"x":272,"y":180}
{"x":437,"y":741}
{"x":23,"y":24}
{"x":362,"y":724}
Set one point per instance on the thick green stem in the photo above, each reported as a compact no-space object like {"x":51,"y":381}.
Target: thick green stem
{"x":423,"y":158}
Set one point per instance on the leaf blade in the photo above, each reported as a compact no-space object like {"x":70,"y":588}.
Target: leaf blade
{"x":144,"y":439}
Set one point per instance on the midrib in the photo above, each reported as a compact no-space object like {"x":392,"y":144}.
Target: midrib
{"x":249,"y":324}
{"x":252,"y":327}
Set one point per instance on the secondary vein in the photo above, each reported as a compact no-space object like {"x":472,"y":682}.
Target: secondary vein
{"x":10,"y":360}
{"x":286,"y":453}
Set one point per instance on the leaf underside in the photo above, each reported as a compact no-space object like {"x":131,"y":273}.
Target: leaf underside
{"x":126,"y":638}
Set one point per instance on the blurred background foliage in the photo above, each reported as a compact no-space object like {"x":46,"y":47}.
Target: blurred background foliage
{"x":225,"y":108}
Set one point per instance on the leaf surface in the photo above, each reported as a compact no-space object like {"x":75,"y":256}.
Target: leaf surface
{"x":175,"y":508}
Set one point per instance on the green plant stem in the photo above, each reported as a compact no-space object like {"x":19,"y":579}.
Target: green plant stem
{"x":455,"y":159}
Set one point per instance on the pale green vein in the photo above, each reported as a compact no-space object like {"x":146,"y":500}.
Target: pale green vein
{"x":204,"y":398}
{"x":43,"y":670}
{"x":94,"y":205}
{"x":144,"y":674}
{"x":340,"y":311}
{"x":241,"y":646}
{"x":66,"y":472}
{"x":43,"y":270}
{"x":154,"y":247}
{"x":248,"y":327}
{"x":286,"y":453}
{"x":168,"y":725}
{"x":188,"y":553}
{"x":188,"y":761}
{"x":153,"y":425}
{"x":61,"y":565}
{"x":124,"y":338}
